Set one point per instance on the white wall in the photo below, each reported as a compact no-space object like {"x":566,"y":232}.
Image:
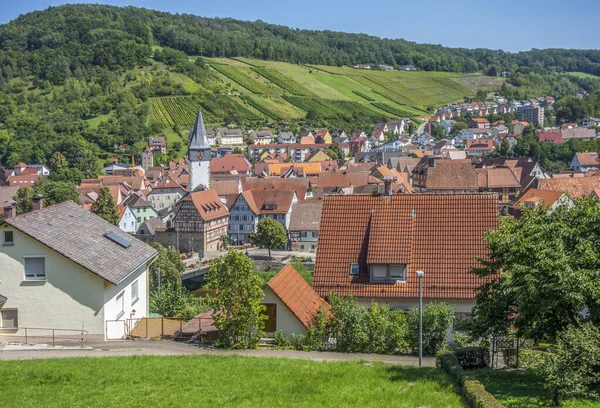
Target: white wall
{"x":285,"y":320}
{"x":115,"y":324}
{"x":70,"y":297}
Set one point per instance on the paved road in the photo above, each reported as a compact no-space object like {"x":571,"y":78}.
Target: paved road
{"x":168,"y":348}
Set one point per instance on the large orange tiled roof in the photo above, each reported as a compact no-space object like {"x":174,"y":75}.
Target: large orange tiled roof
{"x":439,"y":234}
{"x":291,"y":288}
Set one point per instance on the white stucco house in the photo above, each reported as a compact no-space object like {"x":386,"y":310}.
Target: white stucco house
{"x":290,"y":303}
{"x":63,"y":267}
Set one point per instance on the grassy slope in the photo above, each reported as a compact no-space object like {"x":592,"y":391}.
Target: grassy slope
{"x":408,"y":93}
{"x":194,"y":381}
{"x":515,"y":389}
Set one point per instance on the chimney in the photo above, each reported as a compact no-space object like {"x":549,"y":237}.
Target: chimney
{"x":387,"y":183}
{"x":10,"y":211}
{"x":38,"y":202}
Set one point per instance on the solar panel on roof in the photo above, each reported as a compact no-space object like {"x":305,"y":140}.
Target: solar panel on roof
{"x":117,"y":239}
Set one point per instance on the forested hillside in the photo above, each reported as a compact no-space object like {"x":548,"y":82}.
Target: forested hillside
{"x":84,"y":79}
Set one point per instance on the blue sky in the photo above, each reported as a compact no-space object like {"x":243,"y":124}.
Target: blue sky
{"x":511,"y":25}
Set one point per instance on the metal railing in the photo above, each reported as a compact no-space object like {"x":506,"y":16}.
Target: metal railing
{"x":29,"y":334}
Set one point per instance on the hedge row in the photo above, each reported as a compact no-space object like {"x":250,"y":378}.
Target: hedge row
{"x":472,"y":390}
{"x":527,"y":358}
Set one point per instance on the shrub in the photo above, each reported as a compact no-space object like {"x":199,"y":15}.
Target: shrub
{"x":530,"y":358}
{"x":472,"y":357}
{"x":472,"y":390}
{"x":281,"y":341}
{"x":570,"y":368}
{"x":317,"y":335}
{"x":462,"y":339}
{"x":437,"y":318}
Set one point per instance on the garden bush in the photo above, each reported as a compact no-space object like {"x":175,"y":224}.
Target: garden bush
{"x":570,"y":368}
{"x":472,"y":357}
{"x":472,"y":390}
{"x":437,"y":318}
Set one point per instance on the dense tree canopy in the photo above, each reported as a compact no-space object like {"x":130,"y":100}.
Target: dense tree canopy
{"x":550,"y":264}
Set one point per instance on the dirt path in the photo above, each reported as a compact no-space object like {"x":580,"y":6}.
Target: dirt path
{"x":168,"y":348}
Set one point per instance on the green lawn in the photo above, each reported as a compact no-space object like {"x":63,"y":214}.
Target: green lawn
{"x":522,"y":389}
{"x":211,"y":381}
{"x":583,"y":75}
{"x":266,"y":276}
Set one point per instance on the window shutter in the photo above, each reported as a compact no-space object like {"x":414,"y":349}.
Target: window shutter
{"x":35,"y":268}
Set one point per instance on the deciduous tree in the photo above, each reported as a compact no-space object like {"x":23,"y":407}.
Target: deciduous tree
{"x":269,"y":234}
{"x":237,"y":302}
{"x":105,"y":207}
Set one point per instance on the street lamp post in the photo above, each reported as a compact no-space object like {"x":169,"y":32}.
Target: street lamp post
{"x":420,"y":276}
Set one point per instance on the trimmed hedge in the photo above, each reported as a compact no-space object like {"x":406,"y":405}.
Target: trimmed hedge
{"x":472,"y":390}
{"x":472,"y":357}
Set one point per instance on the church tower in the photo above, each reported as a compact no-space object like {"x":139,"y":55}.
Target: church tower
{"x":199,"y":156}
{"x":147,"y":159}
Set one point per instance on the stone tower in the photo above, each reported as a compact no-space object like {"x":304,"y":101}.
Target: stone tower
{"x":199,"y":156}
{"x":147,"y":159}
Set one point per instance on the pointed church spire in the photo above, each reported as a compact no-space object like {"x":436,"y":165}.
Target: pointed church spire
{"x":197,"y":135}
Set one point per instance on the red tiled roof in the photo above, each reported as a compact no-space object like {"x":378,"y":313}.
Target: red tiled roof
{"x":533,"y":195}
{"x":21,"y":181}
{"x":443,"y":235}
{"x":208,"y":204}
{"x":554,"y":137}
{"x":229,"y":163}
{"x":291,"y":288}
{"x":259,"y":201}
{"x":577,"y":187}
{"x":299,"y":185}
{"x":588,"y":159}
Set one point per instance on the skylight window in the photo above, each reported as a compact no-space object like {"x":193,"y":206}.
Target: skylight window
{"x":117,"y":239}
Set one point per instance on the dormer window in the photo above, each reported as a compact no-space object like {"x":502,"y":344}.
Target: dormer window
{"x":388,"y":273}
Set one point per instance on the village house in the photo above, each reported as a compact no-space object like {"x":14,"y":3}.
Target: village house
{"x":261,"y":137}
{"x":137,"y":211}
{"x":441,"y":235}
{"x":585,"y":161}
{"x":158,"y":144}
{"x":578,"y":133}
{"x":322,"y":136}
{"x":253,"y":206}
{"x":285,"y":137}
{"x":304,"y":225}
{"x":480,"y":147}
{"x":290,"y":303}
{"x":64,"y":267}
{"x":229,"y":165}
{"x":479,"y":123}
{"x":533,"y":198}
{"x":433,"y":174}
{"x":165,"y":194}
{"x":200,"y":215}
{"x":229,"y":137}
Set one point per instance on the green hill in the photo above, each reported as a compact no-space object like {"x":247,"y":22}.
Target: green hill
{"x":82,"y":79}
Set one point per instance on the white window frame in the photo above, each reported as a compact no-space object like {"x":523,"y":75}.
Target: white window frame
{"x":354,"y":269}
{"x":9,"y":309}
{"x":135,"y":295}
{"x":120,"y":299}
{"x":5,"y":242}
{"x":35,"y":277}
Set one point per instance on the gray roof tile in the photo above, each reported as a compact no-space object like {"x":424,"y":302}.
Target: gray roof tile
{"x":78,"y":235}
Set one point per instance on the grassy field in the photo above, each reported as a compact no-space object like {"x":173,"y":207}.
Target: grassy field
{"x":192,"y":381}
{"x":522,"y":389}
{"x":583,"y":75}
